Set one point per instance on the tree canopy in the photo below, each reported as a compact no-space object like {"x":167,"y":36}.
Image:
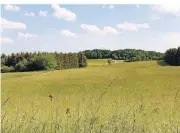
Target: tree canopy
{"x":21,"y":62}
{"x":172,"y":56}
{"x":126,"y":54}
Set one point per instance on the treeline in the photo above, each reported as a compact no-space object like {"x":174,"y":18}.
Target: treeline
{"x":126,"y":54}
{"x":172,"y":56}
{"x":21,"y":62}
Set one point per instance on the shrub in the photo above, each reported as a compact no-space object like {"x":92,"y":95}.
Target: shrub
{"x":109,"y":61}
{"x":22,"y":66}
{"x":42,"y":62}
{"x":5,"y":69}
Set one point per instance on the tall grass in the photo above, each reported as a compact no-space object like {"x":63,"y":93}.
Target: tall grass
{"x":93,"y":118}
{"x":121,"y":98}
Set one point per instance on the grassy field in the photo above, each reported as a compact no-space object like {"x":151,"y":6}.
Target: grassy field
{"x":101,"y":62}
{"x":119,"y":98}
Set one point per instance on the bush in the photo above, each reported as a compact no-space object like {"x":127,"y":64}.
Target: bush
{"x":42,"y":62}
{"x":109,"y":61}
{"x":22,"y":66}
{"x":5,"y":69}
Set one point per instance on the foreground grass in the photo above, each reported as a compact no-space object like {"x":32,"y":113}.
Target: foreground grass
{"x":123,"y":97}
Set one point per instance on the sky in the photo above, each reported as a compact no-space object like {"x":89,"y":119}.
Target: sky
{"x":73,"y":28}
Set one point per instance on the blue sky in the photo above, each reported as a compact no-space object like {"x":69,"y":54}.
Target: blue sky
{"x":72,"y":28}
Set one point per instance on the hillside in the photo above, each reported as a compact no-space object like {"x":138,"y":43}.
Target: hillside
{"x":145,"y":91}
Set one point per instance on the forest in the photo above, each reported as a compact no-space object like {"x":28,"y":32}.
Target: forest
{"x":21,"y":62}
{"x":126,"y":54}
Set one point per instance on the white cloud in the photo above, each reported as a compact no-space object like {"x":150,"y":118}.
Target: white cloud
{"x":108,"y":29}
{"x":95,"y":29}
{"x":31,"y":14}
{"x":63,"y":13}
{"x":43,"y":13}
{"x":12,"y":8}
{"x":137,"y":6}
{"x":132,"y":26}
{"x":147,"y":40}
{"x":26,"y":35}
{"x":111,"y":6}
{"x":68,"y":33}
{"x":6,"y":24}
{"x":169,"y":8}
{"x":5,"y":40}
{"x":91,"y":28}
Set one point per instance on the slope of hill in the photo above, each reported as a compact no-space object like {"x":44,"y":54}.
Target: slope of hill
{"x":127,"y":97}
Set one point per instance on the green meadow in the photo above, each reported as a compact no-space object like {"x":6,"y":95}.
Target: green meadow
{"x":124,"y":97}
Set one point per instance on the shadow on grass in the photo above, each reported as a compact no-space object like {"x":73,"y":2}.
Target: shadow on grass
{"x":162,"y":63}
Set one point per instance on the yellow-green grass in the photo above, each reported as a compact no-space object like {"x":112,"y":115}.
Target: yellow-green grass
{"x":101,"y":62}
{"x":123,"y":97}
